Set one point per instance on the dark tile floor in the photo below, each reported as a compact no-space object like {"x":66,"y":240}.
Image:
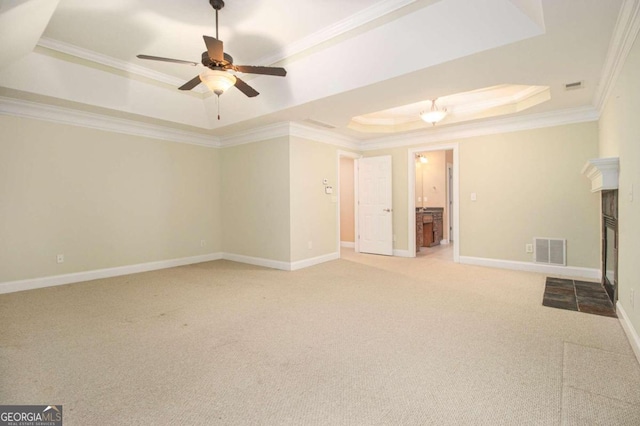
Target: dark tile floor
{"x":582,"y":296}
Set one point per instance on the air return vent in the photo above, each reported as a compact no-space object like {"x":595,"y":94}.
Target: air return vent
{"x":574,"y":86}
{"x":319,"y":123}
{"x":550,"y":251}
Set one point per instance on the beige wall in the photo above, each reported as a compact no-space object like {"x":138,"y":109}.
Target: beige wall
{"x":529,"y":184}
{"x":536,"y":191}
{"x":102,"y":199}
{"x":255,"y":199}
{"x":347,"y":213}
{"x":620,"y":136}
{"x":313,"y":212}
{"x":106,"y":199}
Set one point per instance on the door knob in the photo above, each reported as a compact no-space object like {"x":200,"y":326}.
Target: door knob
{"x":386,"y":210}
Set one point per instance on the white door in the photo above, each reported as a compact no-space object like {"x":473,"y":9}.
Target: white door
{"x":375,"y":217}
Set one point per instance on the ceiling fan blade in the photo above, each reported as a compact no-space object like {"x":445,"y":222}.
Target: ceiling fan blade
{"x":214,"y":48}
{"x":191,"y":83}
{"x":158,"y":58}
{"x":245,"y":88}
{"x":249,"y":69}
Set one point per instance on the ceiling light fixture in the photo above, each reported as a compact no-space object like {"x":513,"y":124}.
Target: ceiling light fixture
{"x":217,"y":81}
{"x":435,"y":115}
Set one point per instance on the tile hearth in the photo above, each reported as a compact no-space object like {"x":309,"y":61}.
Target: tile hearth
{"x":581,"y":296}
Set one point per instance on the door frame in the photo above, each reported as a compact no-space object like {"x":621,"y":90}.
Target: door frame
{"x":449,"y":201}
{"x":411,"y":177}
{"x":354,"y":156}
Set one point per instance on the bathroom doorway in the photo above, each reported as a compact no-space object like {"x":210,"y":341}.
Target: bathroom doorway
{"x":433,"y":201}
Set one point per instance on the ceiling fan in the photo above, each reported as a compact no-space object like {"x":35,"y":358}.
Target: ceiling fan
{"x":217,"y":76}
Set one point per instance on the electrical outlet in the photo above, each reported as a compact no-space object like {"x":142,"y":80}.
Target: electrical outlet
{"x":528,"y":248}
{"x":203,"y":243}
{"x":60,"y":258}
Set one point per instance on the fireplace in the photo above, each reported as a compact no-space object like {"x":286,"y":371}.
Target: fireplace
{"x":610,"y":243}
{"x":603,"y":173}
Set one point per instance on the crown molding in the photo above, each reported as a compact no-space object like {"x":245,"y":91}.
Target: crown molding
{"x":503,"y":125}
{"x":603,"y":173}
{"x":108,"y":61}
{"x":61,"y":115}
{"x":624,"y":35}
{"x":286,"y":129}
{"x":352,"y":22}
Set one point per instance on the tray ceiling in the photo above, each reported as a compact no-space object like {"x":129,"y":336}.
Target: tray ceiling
{"x":345,"y":59}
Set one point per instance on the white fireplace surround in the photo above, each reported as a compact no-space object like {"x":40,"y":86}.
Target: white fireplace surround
{"x":603,"y":173}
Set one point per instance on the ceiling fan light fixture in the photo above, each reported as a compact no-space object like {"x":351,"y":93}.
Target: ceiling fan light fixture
{"x":435,"y":115}
{"x":218,"y":81}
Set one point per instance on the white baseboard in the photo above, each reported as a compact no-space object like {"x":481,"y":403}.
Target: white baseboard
{"x":444,"y":242}
{"x":33,"y":283}
{"x":632,"y":334}
{"x":348,"y":244}
{"x":277,"y":264}
{"x":314,"y":261}
{"x":567,"y":271}
{"x":401,"y":253}
{"x":258,"y":261}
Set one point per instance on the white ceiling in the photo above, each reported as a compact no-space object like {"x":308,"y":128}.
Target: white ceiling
{"x":344,"y":58}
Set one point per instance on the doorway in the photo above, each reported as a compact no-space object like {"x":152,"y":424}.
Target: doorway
{"x":347,"y":207}
{"x":433,"y":198}
{"x":450,"y":199}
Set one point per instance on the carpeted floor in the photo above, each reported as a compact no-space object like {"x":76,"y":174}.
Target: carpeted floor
{"x":365,"y":340}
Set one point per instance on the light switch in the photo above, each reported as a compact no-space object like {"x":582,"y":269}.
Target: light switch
{"x":328,"y":189}
{"x":473,"y":196}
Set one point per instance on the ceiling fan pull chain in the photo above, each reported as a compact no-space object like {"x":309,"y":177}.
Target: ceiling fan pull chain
{"x":218,"y":102}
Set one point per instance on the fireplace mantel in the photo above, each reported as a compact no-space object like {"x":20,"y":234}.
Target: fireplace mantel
{"x":603,"y":173}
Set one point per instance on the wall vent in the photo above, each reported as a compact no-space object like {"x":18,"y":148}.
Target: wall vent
{"x":574,"y":86}
{"x":550,"y":251}
{"x":319,"y":123}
